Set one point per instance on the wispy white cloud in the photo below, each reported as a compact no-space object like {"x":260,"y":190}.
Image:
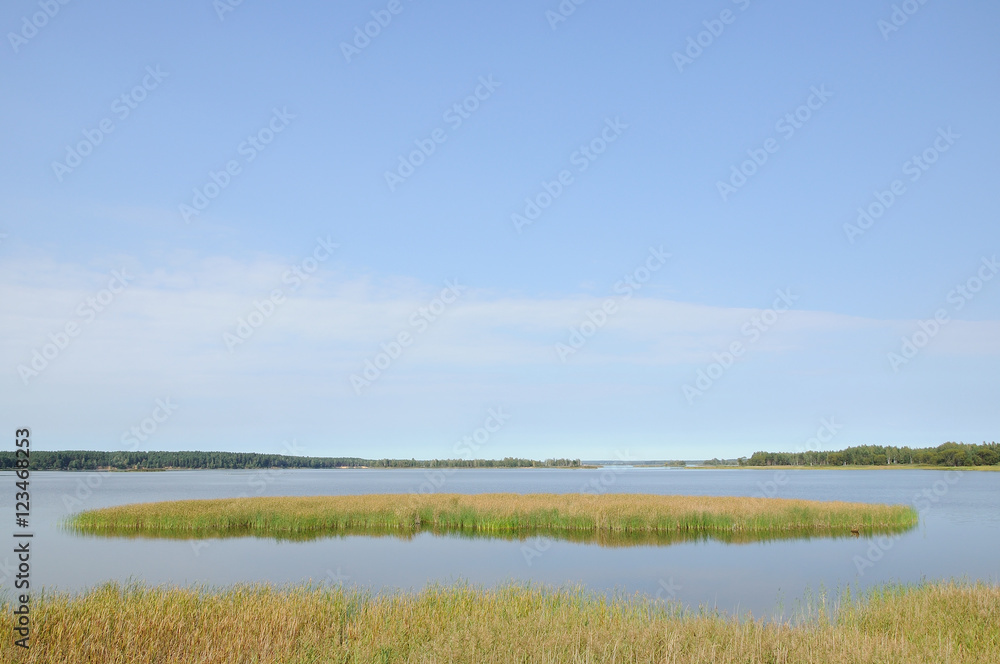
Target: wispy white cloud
{"x":167,"y":318}
{"x":164,"y":335}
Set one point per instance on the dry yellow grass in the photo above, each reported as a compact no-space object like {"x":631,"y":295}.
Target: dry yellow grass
{"x":553,"y":514}
{"x":942,"y":622}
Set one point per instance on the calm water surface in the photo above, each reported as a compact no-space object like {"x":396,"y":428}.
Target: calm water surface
{"x":958,"y":535}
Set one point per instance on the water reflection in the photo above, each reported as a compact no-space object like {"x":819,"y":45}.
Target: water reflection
{"x":604,"y":538}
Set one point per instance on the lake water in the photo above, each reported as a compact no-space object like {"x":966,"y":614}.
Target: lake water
{"x":958,"y":535}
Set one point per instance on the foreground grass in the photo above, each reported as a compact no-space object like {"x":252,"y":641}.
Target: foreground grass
{"x":943,"y":622}
{"x":504,"y":513}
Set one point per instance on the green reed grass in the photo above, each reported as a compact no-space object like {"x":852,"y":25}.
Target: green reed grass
{"x":501,"y":514}
{"x":604,"y":538}
{"x":936,"y":622}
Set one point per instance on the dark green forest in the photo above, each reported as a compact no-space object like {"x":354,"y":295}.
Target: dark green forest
{"x":91,"y":460}
{"x":948,"y":454}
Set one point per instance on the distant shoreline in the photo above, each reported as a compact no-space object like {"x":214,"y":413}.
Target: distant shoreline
{"x":111,"y":469}
{"x":948,"y":456}
{"x":895,"y":466}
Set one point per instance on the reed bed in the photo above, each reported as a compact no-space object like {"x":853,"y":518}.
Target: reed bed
{"x":497,"y":513}
{"x":938,"y":622}
{"x":601,"y":538}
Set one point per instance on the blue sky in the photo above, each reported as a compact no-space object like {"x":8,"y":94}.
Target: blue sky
{"x":638,"y":262}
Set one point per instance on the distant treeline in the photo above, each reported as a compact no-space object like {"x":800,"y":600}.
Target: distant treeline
{"x":723,"y":462}
{"x":91,"y":460}
{"x":948,"y":454}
